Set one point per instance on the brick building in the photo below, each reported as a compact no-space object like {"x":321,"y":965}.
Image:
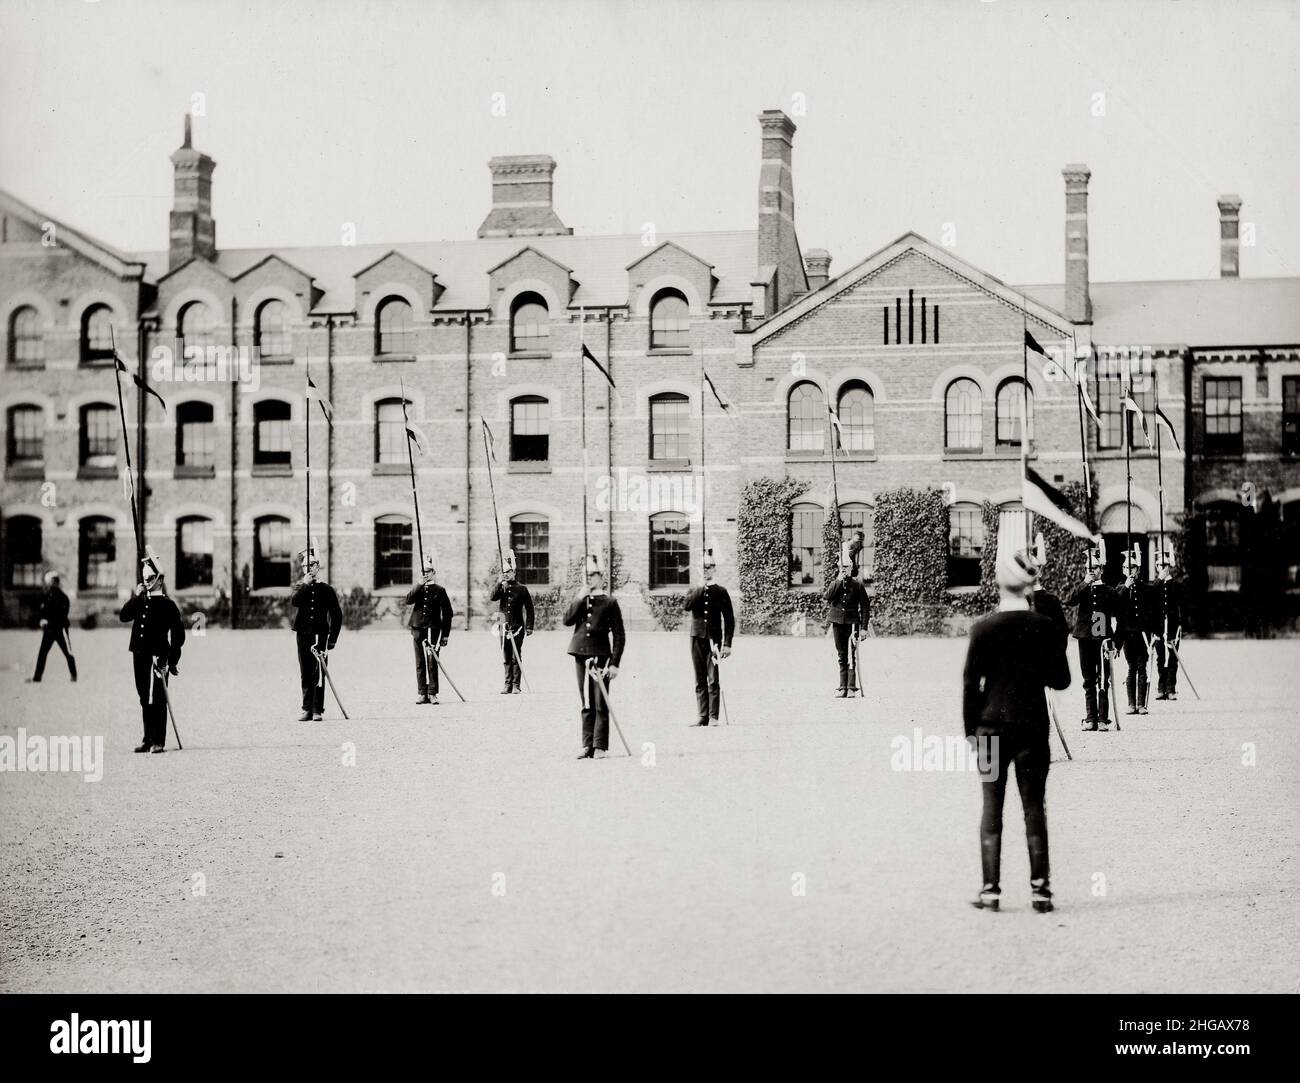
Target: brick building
{"x":920,"y":353}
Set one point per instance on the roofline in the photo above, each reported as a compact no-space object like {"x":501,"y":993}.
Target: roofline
{"x":130,"y":267}
{"x":375,"y":263}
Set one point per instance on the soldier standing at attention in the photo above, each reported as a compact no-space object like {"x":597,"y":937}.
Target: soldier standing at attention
{"x":1095,"y":606}
{"x":515,"y":604}
{"x":1134,"y":621}
{"x":53,"y":617}
{"x":1014,"y":654}
{"x":848,"y":610}
{"x":157,"y":636}
{"x":430,"y":629}
{"x":317,"y":625}
{"x":597,"y":649}
{"x":713,"y":623}
{"x":1167,"y":614}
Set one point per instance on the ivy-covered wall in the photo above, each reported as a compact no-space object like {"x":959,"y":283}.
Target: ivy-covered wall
{"x":770,"y":605}
{"x":910,"y":595}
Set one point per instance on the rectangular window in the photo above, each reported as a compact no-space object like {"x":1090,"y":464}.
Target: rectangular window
{"x":853,"y":519}
{"x":1222,"y":550}
{"x":965,"y":545}
{"x":531,"y":541}
{"x":26,"y":436}
{"x":23,"y":555}
{"x":806,"y":526}
{"x":393,"y":545}
{"x":272,"y":553}
{"x":1110,"y":391}
{"x":193,"y":553}
{"x":670,"y":552}
{"x":1223,"y":415}
{"x":390,"y":433}
{"x":272,"y":439}
{"x":97,"y":552}
{"x":530,"y":430}
{"x":1291,"y":415}
{"x":670,"y":428}
{"x":198,"y":443}
{"x":98,"y":447}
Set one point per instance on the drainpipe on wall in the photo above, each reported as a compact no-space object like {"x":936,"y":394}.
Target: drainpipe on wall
{"x":469,"y":480}
{"x":234,"y":470}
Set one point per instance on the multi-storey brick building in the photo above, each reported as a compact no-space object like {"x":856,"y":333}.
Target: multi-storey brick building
{"x":920,"y":354}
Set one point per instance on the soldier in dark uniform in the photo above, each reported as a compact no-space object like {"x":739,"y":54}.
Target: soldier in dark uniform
{"x":1134,"y":622}
{"x":597,"y":649}
{"x":430,"y":628}
{"x":1167,"y":625}
{"x":515,"y":605}
{"x":1095,"y":607}
{"x":317,"y":624}
{"x":53,"y":617}
{"x":157,"y":636}
{"x":1014,"y":654}
{"x":849,"y":610}
{"x":713,"y":623}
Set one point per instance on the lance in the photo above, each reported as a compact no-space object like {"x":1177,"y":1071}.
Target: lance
{"x":410,"y":462}
{"x":306,"y":402}
{"x":595,"y":679}
{"x":488,"y":455}
{"x":1083,"y":439}
{"x":582,"y":374}
{"x":118,"y":366}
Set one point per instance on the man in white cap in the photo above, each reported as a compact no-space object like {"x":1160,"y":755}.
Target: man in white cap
{"x":430,"y":625}
{"x":317,"y":625}
{"x":515,"y":606}
{"x":597,"y":650}
{"x":713,"y":623}
{"x":1014,"y":654}
{"x":848,"y":609}
{"x":1167,"y":604}
{"x":157,"y":636}
{"x":54,"y":623}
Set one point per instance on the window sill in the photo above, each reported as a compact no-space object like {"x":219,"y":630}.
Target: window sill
{"x":390,"y":469}
{"x":670,"y":351}
{"x":394,"y":357}
{"x":272,"y":470}
{"x":275,"y":359}
{"x":793,"y":456}
{"x":90,"y":473}
{"x":668,"y":592}
{"x":30,"y":366}
{"x":25,"y":473}
{"x":183,"y":471}
{"x":526,"y":467}
{"x":270,"y":592}
{"x":957,"y":592}
{"x":668,"y":466}
{"x":962,"y":452}
{"x":529,"y":355}
{"x":95,"y":363}
{"x":1224,"y":456}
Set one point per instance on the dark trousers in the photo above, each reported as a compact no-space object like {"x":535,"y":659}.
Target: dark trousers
{"x":595,"y":711}
{"x":510,"y":656}
{"x":148,"y":686}
{"x":1166,"y":666}
{"x":1095,"y":691}
{"x":309,"y":671}
{"x":49,"y":637}
{"x":426,"y":666}
{"x":844,"y":650}
{"x":1031,"y":757}
{"x":708,"y":682}
{"x":1136,"y":657}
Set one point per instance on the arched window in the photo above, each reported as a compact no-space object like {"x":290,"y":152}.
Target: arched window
{"x":530,"y":538}
{"x":807,"y":524}
{"x":97,"y":553}
{"x":272,"y":440}
{"x":670,"y":550}
{"x":1014,"y":397}
{"x":670,"y":322}
{"x":25,"y":446}
{"x":394,"y":335}
{"x":98,"y":438}
{"x":806,"y":418}
{"x":272,"y":552}
{"x":390,"y":432}
{"x":24,"y":558}
{"x":856,"y":410}
{"x":195,"y":331}
{"x":670,"y":426}
{"x":1223,"y":554}
{"x":965,"y":544}
{"x":97,"y":335}
{"x":193,"y":552}
{"x":196,"y":438}
{"x":858,"y":519}
{"x":26,"y":339}
{"x":530,"y":324}
{"x":393,"y":546}
{"x":530,"y":429}
{"x":963,"y":416}
{"x":271,"y":330}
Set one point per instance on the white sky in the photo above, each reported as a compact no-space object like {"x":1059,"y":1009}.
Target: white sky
{"x":917,"y":114}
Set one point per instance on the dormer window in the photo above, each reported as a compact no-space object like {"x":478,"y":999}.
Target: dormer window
{"x":393,"y":334}
{"x":271,"y":329}
{"x":670,"y":322}
{"x":530,"y":325}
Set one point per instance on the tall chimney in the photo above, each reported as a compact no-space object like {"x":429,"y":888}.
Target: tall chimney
{"x":817,"y":262}
{"x":778,"y":245}
{"x":521,"y":198}
{"x":1229,"y":240}
{"x":1078,"y":301}
{"x":193,"y":233}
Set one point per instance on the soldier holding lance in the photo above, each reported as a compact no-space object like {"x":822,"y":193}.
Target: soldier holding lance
{"x":157,"y":636}
{"x":515,"y":608}
{"x":1167,"y":621}
{"x":1095,"y":606}
{"x":1134,"y":621}
{"x":597,"y":649}
{"x":713,"y":624}
{"x":430,"y":623}
{"x":849,"y":610}
{"x":317,"y":625}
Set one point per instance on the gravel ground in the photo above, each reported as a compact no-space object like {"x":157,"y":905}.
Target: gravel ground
{"x":466,"y":849}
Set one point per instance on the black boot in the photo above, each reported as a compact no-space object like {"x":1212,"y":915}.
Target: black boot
{"x":989,"y":898}
{"x":1042,"y":897}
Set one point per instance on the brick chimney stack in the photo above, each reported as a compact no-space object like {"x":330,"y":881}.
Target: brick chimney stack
{"x":778,"y":244}
{"x":521,"y":198}
{"x":193,"y":232}
{"x":817,"y":262}
{"x":1229,"y":237}
{"x":1078,"y":301}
